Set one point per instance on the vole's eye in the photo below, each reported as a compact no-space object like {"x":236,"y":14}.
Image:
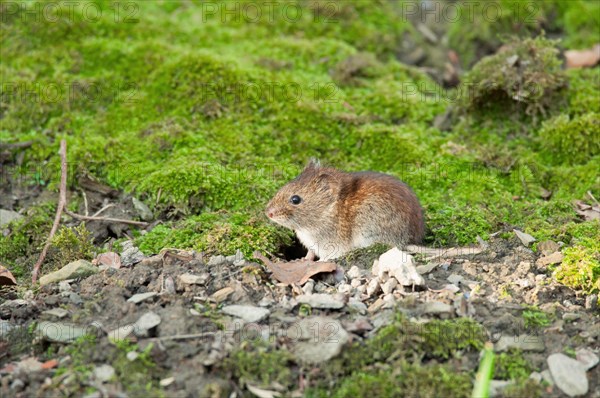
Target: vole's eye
{"x":295,"y":200}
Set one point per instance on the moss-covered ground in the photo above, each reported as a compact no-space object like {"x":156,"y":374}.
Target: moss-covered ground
{"x":202,"y":110}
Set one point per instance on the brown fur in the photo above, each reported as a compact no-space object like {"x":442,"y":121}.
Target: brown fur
{"x":342,"y":211}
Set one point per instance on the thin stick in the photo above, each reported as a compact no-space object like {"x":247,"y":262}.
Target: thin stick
{"x":62,"y":200}
{"x":85,"y":202}
{"x":593,"y":198}
{"x":183,"y":336}
{"x":102,"y":209}
{"x":105,"y":219}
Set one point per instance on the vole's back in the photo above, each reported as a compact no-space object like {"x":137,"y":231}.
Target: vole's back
{"x":378,"y":208}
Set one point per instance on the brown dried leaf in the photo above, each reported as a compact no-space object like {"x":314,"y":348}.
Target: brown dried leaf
{"x":6,"y":277}
{"x":298,"y":271}
{"x":588,"y":212}
{"x":583,"y":58}
{"x":110,"y":259}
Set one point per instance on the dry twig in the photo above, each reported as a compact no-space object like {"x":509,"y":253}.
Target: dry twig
{"x":62,"y":201}
{"x":105,"y":219}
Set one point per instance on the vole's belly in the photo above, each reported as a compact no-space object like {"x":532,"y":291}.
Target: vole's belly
{"x":325,"y":249}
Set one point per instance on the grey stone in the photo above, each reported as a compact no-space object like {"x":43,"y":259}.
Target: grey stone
{"x":130,"y":255}
{"x":317,"y":339}
{"x":137,"y":298}
{"x":142,"y":210}
{"x":191,"y":279}
{"x":587,"y":358}
{"x":357,"y":306}
{"x":61,"y":332}
{"x":526,"y":239}
{"x":104,"y":373}
{"x":568,"y":374}
{"x":57,"y":312}
{"x":525,"y":342}
{"x":146,"y":322}
{"x":437,"y":307}
{"x":7,"y":216}
{"x":248,"y":313}
{"x":76,"y":269}
{"x":5,"y":327}
{"x":320,"y":300}
{"x":216,"y":260}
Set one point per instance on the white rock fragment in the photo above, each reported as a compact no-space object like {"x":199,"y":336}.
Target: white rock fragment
{"x":217,"y":260}
{"x":166,"y":382}
{"x":437,"y":308}
{"x":526,"y":239}
{"x":320,"y":300}
{"x":400,"y":265}
{"x":357,"y":305}
{"x":104,"y":373}
{"x":146,"y":322}
{"x":389,"y":301}
{"x":373,"y":287}
{"x":344,"y":288}
{"x":355,"y":283}
{"x":586,"y":357}
{"x":354,"y":272}
{"x":73,"y":270}
{"x":455,"y":279}
{"x":248,"y":313}
{"x":191,"y":279}
{"x":130,"y":254}
{"x":309,"y":286}
{"x":568,"y":374}
{"x":57,"y":312}
{"x":120,"y":333}
{"x":427,"y":268}
{"x":389,"y":286}
{"x":138,"y":298}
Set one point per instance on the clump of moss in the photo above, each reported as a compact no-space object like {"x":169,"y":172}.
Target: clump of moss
{"x":140,"y":376}
{"x":512,"y":365}
{"x":525,"y":75}
{"x":403,"y":381}
{"x":70,"y":244}
{"x":571,"y":140}
{"x":442,"y":339}
{"x":353,"y":69}
{"x":25,"y":238}
{"x":580,"y":268}
{"x":217,"y":233}
{"x":535,"y":318}
{"x":261,"y":363}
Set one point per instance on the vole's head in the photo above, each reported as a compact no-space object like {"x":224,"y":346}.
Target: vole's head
{"x":307,"y":200}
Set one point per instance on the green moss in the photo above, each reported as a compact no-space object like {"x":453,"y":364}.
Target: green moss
{"x":571,"y":140}
{"x":259,"y":363}
{"x":512,"y":365}
{"x":406,"y":381}
{"x":70,"y":244}
{"x":139,"y":376}
{"x":25,"y":238}
{"x":217,"y":233}
{"x":535,"y":318}
{"x":526,"y":76}
{"x":580,"y":268}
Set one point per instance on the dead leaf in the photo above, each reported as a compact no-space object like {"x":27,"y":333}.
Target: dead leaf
{"x":588,"y":212}
{"x":6,"y":278}
{"x":298,"y":271}
{"x":110,"y":259}
{"x":50,"y":364}
{"x":583,"y":58}
{"x":261,"y":393}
